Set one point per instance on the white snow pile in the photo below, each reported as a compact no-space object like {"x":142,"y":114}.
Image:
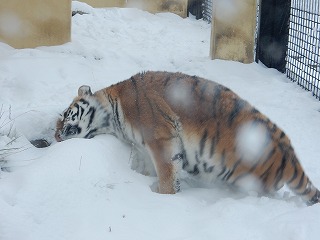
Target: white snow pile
{"x":85,"y":189}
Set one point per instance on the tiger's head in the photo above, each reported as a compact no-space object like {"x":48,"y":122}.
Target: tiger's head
{"x":84,"y":118}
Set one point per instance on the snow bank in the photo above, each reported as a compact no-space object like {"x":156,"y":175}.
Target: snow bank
{"x":85,"y":189}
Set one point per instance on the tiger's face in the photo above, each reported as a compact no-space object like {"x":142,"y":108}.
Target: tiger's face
{"x":79,"y":120}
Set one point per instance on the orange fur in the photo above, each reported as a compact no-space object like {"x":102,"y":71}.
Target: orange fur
{"x":188,"y":122}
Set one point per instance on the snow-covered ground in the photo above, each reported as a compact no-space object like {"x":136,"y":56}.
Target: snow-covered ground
{"x":85,"y":189}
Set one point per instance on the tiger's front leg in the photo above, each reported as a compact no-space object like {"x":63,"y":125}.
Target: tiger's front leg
{"x":163,"y":154}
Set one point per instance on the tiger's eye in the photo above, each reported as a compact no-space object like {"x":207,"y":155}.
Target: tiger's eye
{"x":73,"y":131}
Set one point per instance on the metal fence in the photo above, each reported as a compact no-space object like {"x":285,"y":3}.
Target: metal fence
{"x":303,"y":55}
{"x":207,"y":10}
{"x":288,"y":39}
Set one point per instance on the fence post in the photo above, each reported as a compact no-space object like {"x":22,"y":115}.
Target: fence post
{"x":233,"y":30}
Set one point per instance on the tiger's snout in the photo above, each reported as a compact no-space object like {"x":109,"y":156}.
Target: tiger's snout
{"x":57,"y":136}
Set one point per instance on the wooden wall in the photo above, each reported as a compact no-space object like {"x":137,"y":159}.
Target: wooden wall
{"x":32,"y":23}
{"x":175,"y":6}
{"x":233,"y":30}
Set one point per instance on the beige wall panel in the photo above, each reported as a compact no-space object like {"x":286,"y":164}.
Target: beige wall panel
{"x":32,"y":23}
{"x":105,"y":3}
{"x":175,"y":6}
{"x":233,"y":29}
{"x":178,"y":7}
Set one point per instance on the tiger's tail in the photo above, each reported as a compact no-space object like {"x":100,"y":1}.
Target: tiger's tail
{"x":298,"y":181}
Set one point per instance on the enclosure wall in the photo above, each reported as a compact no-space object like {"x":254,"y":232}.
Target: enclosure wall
{"x":178,"y":6}
{"x":32,"y":23}
{"x":105,"y":3}
{"x":233,"y":30}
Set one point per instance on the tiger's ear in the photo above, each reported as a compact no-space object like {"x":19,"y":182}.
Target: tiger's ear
{"x":84,"y":90}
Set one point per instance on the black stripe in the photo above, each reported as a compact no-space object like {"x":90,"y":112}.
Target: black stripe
{"x":135,"y":87}
{"x":295,"y":174}
{"x":167,"y":117}
{"x":82,"y":111}
{"x":266,"y":173}
{"x":253,"y":167}
{"x":92,"y":111}
{"x":307,"y":190}
{"x":202,"y":91}
{"x":185,"y":161}
{"x":264,"y":177}
{"x":151,"y":106}
{"x":237,"y":108}
{"x":274,"y":128}
{"x":213,"y":146}
{"x":197,"y":157}
{"x":77,"y":113}
{"x":114,"y":107}
{"x":262,"y":121}
{"x":166,"y":81}
{"x":203,"y":141}
{"x":116,"y":112}
{"x":195,"y":83}
{"x":106,"y":122}
{"x":216,"y":101}
{"x":270,"y":154}
{"x":280,"y":170}
{"x":65,"y":114}
{"x":229,"y":175}
{"x":238,"y":162}
{"x":222,"y":160}
{"x":178,"y":156}
{"x":300,"y":182}
{"x":222,"y":171}
{"x":117,"y":119}
{"x":84,"y":101}
{"x":176,"y":80}
{"x":90,"y":133}
{"x":225,"y":175}
{"x":207,"y":169}
{"x":195,"y":170}
{"x":254,"y":111}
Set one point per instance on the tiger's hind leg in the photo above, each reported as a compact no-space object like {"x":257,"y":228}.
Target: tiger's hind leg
{"x":164,"y":156}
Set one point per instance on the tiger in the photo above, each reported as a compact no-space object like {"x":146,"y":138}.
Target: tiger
{"x":187,"y":123}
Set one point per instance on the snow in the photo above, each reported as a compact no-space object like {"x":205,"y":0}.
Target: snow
{"x":85,"y":189}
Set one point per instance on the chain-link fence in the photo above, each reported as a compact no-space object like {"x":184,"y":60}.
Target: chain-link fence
{"x":303,"y":55}
{"x":207,"y":10}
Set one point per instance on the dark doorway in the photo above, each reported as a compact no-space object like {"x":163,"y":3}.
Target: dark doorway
{"x":273,"y":33}
{"x":195,"y":8}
